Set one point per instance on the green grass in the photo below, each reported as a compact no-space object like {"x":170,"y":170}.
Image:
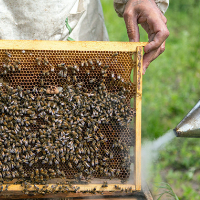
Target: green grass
{"x":170,"y":90}
{"x":167,"y":191}
{"x":179,"y":165}
{"x":171,"y":83}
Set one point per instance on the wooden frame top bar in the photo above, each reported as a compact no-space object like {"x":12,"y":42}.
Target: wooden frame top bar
{"x":70,"y":45}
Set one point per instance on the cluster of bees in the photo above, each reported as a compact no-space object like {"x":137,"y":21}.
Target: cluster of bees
{"x":7,"y":67}
{"x":44,"y":134}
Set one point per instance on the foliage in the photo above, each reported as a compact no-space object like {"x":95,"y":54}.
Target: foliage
{"x":179,"y":165}
{"x":167,"y":191}
{"x":171,"y":83}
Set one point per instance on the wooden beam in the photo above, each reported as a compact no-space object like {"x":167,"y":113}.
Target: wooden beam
{"x":138,"y":106}
{"x":103,"y":195}
{"x":70,"y":45}
{"x":82,"y":187}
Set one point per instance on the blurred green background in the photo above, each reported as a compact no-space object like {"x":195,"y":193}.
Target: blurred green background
{"x":170,"y":90}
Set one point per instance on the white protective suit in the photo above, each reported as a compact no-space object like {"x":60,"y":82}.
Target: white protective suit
{"x":80,"y":20}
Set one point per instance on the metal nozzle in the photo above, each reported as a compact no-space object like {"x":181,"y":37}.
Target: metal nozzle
{"x":175,"y":132}
{"x":190,"y":125}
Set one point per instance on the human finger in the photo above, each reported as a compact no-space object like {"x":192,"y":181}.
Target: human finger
{"x":159,"y":28}
{"x":152,"y":55}
{"x":131,"y":24}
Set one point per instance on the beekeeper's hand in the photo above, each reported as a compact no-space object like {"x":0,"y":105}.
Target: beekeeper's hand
{"x":146,"y":13}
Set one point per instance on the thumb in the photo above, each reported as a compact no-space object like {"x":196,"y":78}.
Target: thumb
{"x":131,"y":26}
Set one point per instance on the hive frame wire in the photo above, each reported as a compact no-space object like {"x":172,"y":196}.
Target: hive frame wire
{"x":137,"y":48}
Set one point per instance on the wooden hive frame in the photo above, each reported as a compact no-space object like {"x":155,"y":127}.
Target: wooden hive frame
{"x":137,"y":50}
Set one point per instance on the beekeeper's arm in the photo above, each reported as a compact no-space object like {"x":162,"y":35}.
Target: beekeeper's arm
{"x":149,"y":14}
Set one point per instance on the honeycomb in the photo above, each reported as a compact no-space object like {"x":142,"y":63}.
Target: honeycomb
{"x":32,"y":74}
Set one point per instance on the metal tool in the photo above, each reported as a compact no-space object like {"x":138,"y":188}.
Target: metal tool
{"x":190,"y":125}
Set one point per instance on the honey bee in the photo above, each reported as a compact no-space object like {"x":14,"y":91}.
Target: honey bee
{"x":82,"y":63}
{"x":93,"y":67}
{"x":98,"y":144}
{"x":36,"y":187}
{"x":79,"y":165}
{"x":4,"y":72}
{"x":75,"y":160}
{"x":74,"y":78}
{"x":103,"y":71}
{"x":86,"y":164}
{"x":123,"y":181}
{"x":118,"y":77}
{"x":60,"y":73}
{"x":8,"y":54}
{"x":52,"y":68}
{"x":70,"y":165}
{"x":117,"y":172}
{"x":86,"y":64}
{"x":96,"y":161}
{"x":51,"y":170}
{"x":106,"y":67}
{"x":76,"y":68}
{"x":19,"y":68}
{"x":32,"y":175}
{"x":46,"y":62}
{"x":31,"y":163}
{"x":92,"y":80}
{"x":12,"y":68}
{"x":7,"y":60}
{"x":96,"y":148}
{"x":113,"y":76}
{"x":92,"y":150}
{"x":63,"y":159}
{"x":92,"y":162}
{"x":117,"y":187}
{"x":90,"y":61}
{"x":39,"y":60}
{"x":97,"y":61}
{"x":45,"y":72}
{"x":105,"y":159}
{"x":111,"y":155}
{"x":50,"y":98}
{"x":35,"y":89}
{"x":105,"y":184}
{"x":95,"y":128}
{"x":87,"y":72}
{"x":37,"y":171}
{"x":61,"y":65}
{"x":16,"y":174}
{"x":115,"y":54}
{"x":8,"y":67}
{"x":76,"y":189}
{"x":64,"y":74}
{"x":42,"y":82}
{"x":106,"y":152}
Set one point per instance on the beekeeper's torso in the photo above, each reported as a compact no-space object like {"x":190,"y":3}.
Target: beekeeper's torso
{"x":52,"y":20}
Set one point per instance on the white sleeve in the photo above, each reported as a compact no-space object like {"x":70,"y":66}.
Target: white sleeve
{"x":119,"y":6}
{"x":162,"y":5}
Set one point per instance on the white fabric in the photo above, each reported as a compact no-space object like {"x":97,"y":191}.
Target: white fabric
{"x":119,"y":6}
{"x":45,"y":20}
{"x":162,"y":5}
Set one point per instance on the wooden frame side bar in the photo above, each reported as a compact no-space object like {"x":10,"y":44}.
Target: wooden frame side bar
{"x":138,"y":106}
